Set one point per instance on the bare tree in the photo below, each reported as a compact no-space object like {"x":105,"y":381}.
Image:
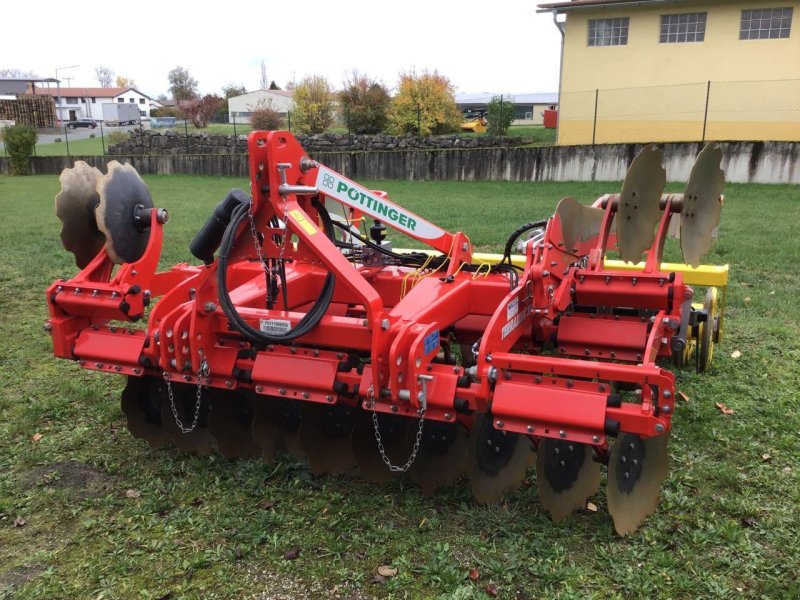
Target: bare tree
{"x":104,"y":76}
{"x":264,"y":83}
{"x":17,"y":74}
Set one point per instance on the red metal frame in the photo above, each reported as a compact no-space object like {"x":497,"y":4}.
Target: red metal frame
{"x":549,"y":351}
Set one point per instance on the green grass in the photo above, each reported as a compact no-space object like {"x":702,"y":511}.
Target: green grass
{"x":213,"y":528}
{"x":83,"y":147}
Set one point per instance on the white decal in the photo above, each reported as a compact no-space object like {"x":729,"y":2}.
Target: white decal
{"x":275,"y":326}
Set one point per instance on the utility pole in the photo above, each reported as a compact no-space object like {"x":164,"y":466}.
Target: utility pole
{"x":58,"y":84}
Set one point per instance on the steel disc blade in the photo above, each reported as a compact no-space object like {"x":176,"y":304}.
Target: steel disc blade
{"x":230,"y":422}
{"x":75,"y":205}
{"x":325,"y":437}
{"x":395,"y":440}
{"x":579,"y":223}
{"x":566,"y":476}
{"x":497,"y":460}
{"x":636,"y":469}
{"x":199,"y":440}
{"x":121,"y":191}
{"x":442,"y":457}
{"x":638,"y":211}
{"x":141,"y":403}
{"x":275,"y":424}
{"x":702,"y":205}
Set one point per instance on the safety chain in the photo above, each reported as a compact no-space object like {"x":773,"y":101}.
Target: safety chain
{"x":203,"y":372}
{"x":414,"y":451}
{"x":257,"y":243}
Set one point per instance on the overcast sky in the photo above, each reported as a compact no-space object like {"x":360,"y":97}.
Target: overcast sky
{"x":482,"y":46}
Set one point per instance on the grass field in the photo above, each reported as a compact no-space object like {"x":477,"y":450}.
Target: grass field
{"x":88,"y":512}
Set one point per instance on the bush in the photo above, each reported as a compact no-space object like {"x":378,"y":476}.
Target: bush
{"x":19,"y":141}
{"x":500,"y":113}
{"x":365,"y":103}
{"x":265,"y":117}
{"x":117,"y":137}
{"x":166,"y":111}
{"x":424,"y":105}
{"x":313,"y":100}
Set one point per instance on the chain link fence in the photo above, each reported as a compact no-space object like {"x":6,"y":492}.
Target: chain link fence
{"x":714,"y":110}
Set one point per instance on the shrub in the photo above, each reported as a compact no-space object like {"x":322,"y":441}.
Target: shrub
{"x":19,"y":141}
{"x":166,"y":111}
{"x":200,"y":111}
{"x":500,"y":113}
{"x":265,"y":117}
{"x":313,"y":100}
{"x":365,"y":103}
{"x":424,"y":105}
{"x":117,"y":137}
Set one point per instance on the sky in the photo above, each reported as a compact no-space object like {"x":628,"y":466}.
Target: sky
{"x":481,"y":46}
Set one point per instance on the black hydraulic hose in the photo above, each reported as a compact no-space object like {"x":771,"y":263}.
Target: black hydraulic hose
{"x":515,"y":235}
{"x":208,"y":239}
{"x":255,"y":336}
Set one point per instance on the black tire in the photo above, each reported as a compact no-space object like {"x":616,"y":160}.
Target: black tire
{"x":70,"y":126}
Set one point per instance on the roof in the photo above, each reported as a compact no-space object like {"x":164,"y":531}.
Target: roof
{"x":284,"y":93}
{"x":96,"y":92}
{"x":485,"y":98}
{"x":585,"y":4}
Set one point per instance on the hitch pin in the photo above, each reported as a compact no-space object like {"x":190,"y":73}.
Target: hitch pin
{"x":284,"y":189}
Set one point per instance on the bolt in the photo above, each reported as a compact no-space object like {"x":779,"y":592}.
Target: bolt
{"x":315,"y":352}
{"x":595,"y":438}
{"x":499,"y":424}
{"x":329,"y":398}
{"x":448,"y":416}
{"x":259,"y":389}
{"x":545,"y":273}
{"x":570,"y":383}
{"x":394,"y":408}
{"x":666,"y":409}
{"x":98,"y":365}
{"x":48,"y":326}
{"x":537,"y":379}
{"x":623,"y":459}
{"x":659,"y":428}
{"x":305,"y":394}
{"x":562,"y":433}
{"x":530,"y":428}
{"x":282,"y":391}
{"x":210,"y":307}
{"x":229,"y":383}
{"x":507,"y":375}
{"x":488,"y":358}
{"x":667,"y":394}
{"x":385,"y":324}
{"x":137,"y":371}
{"x":365,"y":323}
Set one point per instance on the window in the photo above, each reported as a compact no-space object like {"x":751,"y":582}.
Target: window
{"x":71,"y":100}
{"x":120,"y":100}
{"x":689,"y":27}
{"x":132,"y":100}
{"x":766,"y":23}
{"x":608,"y":32}
{"x":94,"y":100}
{"x":142,"y":113}
{"x":141,"y":100}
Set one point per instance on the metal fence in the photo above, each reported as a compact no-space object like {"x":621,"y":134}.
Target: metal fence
{"x":712,"y":110}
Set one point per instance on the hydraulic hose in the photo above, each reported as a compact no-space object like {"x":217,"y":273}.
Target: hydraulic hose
{"x":255,"y":336}
{"x":515,"y":235}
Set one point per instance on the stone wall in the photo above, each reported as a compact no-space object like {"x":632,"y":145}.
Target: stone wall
{"x":170,"y":143}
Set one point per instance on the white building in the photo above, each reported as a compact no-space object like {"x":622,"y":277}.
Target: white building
{"x":529,"y":107}
{"x":240,"y":107}
{"x":87,"y":102}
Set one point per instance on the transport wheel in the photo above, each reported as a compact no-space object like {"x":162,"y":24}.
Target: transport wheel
{"x":566,"y":475}
{"x":709,"y":331}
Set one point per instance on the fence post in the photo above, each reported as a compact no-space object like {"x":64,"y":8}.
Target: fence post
{"x":419,"y":121}
{"x":66,"y":137}
{"x":501,"y":112}
{"x":102,"y":138}
{"x":594,"y":123}
{"x":705,"y":116}
{"x":235,"y":137}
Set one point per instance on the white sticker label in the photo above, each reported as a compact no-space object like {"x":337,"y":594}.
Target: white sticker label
{"x":275,"y":326}
{"x":515,"y":322}
{"x":512,"y":309}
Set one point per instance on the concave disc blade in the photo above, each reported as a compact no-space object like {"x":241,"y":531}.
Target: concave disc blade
{"x":325,"y":437}
{"x":636,"y":469}
{"x":395,"y":440}
{"x":121,"y":191}
{"x":638,"y":211}
{"x":276,"y":422}
{"x":442,"y":457}
{"x":141,"y":403}
{"x":75,"y":205}
{"x":579,"y":223}
{"x":702,"y":205}
{"x":497,"y":460}
{"x":199,"y":440}
{"x":566,"y":476}
{"x":230,"y":421}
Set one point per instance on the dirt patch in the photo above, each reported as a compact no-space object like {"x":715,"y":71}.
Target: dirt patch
{"x":80,"y":479}
{"x":18,"y":576}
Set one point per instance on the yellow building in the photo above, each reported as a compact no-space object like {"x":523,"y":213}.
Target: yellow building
{"x":678,"y":70}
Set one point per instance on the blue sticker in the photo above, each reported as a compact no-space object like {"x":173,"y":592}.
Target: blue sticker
{"x":432,"y":342}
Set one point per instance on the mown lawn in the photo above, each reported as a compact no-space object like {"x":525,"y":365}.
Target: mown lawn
{"x":89,"y":512}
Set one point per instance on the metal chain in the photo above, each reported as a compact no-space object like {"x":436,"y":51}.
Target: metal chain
{"x":414,"y":451}
{"x":257,"y":243}
{"x":201,"y":373}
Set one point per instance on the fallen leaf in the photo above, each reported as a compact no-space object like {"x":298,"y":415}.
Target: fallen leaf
{"x":591,"y":506}
{"x":772,"y":293}
{"x":474,"y":574}
{"x":724,"y":409}
{"x":378,"y":579}
{"x":267,"y":504}
{"x":748,"y":521}
{"x":491,"y":589}
{"x":747,"y":298}
{"x":739,"y":589}
{"x":736,"y":354}
{"x":683,"y":396}
{"x":291,"y":554}
{"x":36,"y":437}
{"x":787,"y":469}
{"x":325,"y":510}
{"x":133,"y":493}
{"x":766,"y":456}
{"x":20,"y":522}
{"x":387,"y":571}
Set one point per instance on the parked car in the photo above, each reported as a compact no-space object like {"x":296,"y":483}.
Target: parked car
{"x":82,"y":123}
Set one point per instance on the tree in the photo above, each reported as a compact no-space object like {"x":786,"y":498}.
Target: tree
{"x":125,"y":82}
{"x":182,"y":85}
{"x":265,"y":116}
{"x":104,"y":76}
{"x":365,"y":103}
{"x":313,"y":105}
{"x":232,"y":89}
{"x":500,"y":113}
{"x":19,"y":141}
{"x":200,"y":111}
{"x":12,"y":73}
{"x":273,"y":85}
{"x":263,"y":82}
{"x":424,"y":105}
